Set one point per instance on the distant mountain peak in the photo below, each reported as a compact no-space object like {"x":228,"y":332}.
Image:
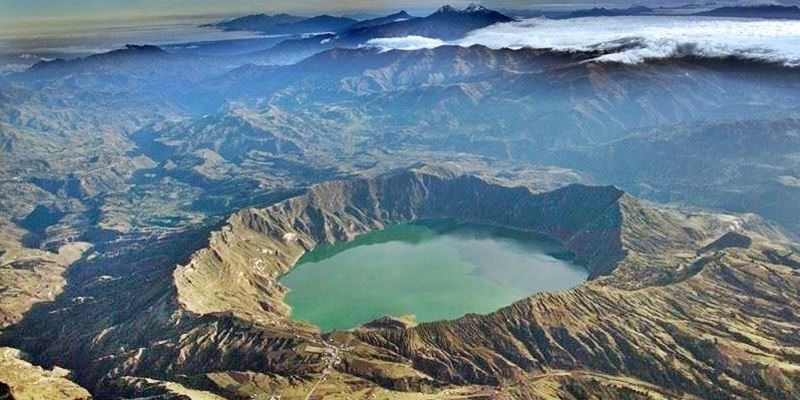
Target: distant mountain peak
{"x":475,"y":7}
{"x":255,"y":22}
{"x":129,"y":51}
{"x":607,"y":12}
{"x":447,"y":23}
{"x":396,"y":17}
{"x":145,"y":48}
{"x":472,"y":8}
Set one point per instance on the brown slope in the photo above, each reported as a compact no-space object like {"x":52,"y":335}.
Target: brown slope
{"x":660,"y":314}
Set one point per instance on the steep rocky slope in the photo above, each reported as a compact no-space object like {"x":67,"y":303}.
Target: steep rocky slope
{"x":21,"y":380}
{"x":29,"y":276}
{"x":670,"y":311}
{"x":736,"y":165}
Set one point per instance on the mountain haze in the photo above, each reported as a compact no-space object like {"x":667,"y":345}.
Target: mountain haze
{"x":153,"y":196}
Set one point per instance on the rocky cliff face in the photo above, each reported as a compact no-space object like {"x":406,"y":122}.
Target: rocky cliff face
{"x":664,"y":314}
{"x":19,"y":379}
{"x":586,"y":219}
{"x":29,"y":276}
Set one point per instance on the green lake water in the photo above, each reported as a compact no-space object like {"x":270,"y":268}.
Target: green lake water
{"x":432,"y":270}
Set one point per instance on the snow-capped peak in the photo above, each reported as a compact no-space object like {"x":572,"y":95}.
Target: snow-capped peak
{"x":472,"y":8}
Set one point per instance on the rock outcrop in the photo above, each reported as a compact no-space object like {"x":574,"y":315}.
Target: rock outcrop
{"x":664,"y":314}
{"x":21,"y":380}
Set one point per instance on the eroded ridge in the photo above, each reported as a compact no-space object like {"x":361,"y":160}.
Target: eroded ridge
{"x":673,"y":302}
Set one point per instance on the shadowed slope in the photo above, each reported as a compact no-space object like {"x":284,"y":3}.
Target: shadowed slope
{"x":661,"y":314}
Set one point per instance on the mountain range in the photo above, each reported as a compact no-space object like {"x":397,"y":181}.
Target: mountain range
{"x":151,"y":199}
{"x":446,"y":23}
{"x":256,"y":22}
{"x":453,"y":23}
{"x":761,"y":11}
{"x":283,"y":24}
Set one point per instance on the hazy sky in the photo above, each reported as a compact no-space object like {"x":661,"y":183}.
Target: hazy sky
{"x":40,"y":16}
{"x":34,"y":15}
{"x":23,"y":11}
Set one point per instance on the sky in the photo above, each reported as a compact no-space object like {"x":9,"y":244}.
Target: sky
{"x":16,"y":14}
{"x":49,"y":9}
{"x":32,"y":16}
{"x":25,"y":12}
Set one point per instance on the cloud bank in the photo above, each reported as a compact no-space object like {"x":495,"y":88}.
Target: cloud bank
{"x":635,"y":39}
{"x":405,"y":43}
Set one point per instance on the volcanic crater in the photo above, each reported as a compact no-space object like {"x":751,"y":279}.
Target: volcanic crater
{"x":662,"y":309}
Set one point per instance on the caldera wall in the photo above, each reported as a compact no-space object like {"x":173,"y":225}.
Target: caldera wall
{"x":587,"y":220}
{"x":663,"y":309}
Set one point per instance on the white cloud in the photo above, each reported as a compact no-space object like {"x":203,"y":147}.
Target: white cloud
{"x":405,"y":43}
{"x":637,"y":38}
{"x":6,"y":69}
{"x":33,"y":57}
